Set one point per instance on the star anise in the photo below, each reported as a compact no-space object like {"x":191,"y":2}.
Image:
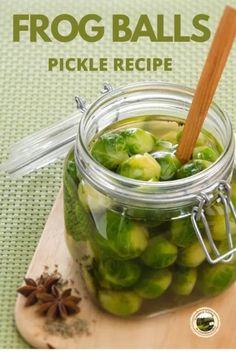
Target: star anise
{"x":58,"y":304}
{"x":32,"y":288}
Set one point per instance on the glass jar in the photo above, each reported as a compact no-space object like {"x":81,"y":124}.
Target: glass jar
{"x":146,"y":248}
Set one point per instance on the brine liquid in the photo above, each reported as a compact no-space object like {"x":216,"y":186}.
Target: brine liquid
{"x":85,"y":228}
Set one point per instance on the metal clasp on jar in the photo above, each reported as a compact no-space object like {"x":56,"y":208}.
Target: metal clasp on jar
{"x":198,"y":214}
{"x":81,"y":102}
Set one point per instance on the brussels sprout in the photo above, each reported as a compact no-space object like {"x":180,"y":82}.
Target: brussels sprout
{"x":89,"y":279}
{"x":233,"y":189}
{"x":71,"y":167}
{"x":191,"y":168}
{"x":142,"y":167}
{"x":169,"y":164}
{"x":153,"y":283}
{"x":138,"y":141}
{"x":119,"y":273}
{"x":218,"y":229}
{"x":110,"y":150}
{"x":78,"y":222}
{"x":215,"y":278}
{"x":160,"y":253}
{"x":120,"y":303}
{"x":205,"y":153}
{"x":193,"y":255}
{"x":182,"y":232}
{"x":223,"y":247}
{"x":184,"y":280}
{"x":92,"y":199}
{"x":101,"y":247}
{"x":122,"y":237}
{"x":69,"y":174}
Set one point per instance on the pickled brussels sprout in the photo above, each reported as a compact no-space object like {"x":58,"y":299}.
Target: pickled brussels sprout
{"x":142,"y":167}
{"x":182,"y":232}
{"x":92,"y":199}
{"x":215,"y":278}
{"x":191,"y":168}
{"x":205,"y":153}
{"x":153,"y":283}
{"x":169,"y":164}
{"x":138,"y":141}
{"x":78,"y":222}
{"x":224,"y":248}
{"x":233,"y":193}
{"x":193,"y":255}
{"x":160,"y":253}
{"x":119,"y":273}
{"x":184,"y":281}
{"x":218,"y":229}
{"x":101,"y":246}
{"x":110,"y":150}
{"x":71,"y":167}
{"x":124,"y":237}
{"x":120,"y":303}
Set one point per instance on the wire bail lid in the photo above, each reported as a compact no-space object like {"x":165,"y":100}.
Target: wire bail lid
{"x":213,"y":254}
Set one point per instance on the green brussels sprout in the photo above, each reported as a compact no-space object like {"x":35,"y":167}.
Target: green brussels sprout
{"x":91,"y":199}
{"x":184,"y":281}
{"x":101,"y":246}
{"x":110,"y":150}
{"x":233,"y":188}
{"x":69,"y":174}
{"x":193,"y":255}
{"x":138,"y":141}
{"x":89,"y":279}
{"x":223,"y":247}
{"x":216,"y":278}
{"x":78,"y":222}
{"x":218,"y":229}
{"x":119,"y":273}
{"x":191,"y":168}
{"x":142,"y":167}
{"x":122,"y":237}
{"x":160,"y":253}
{"x":182,"y":232}
{"x":119,"y":303}
{"x":205,"y":153}
{"x":104,"y":284}
{"x":169,"y":164}
{"x":71,"y":166}
{"x":153,"y":283}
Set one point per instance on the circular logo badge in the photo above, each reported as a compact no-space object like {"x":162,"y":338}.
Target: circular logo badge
{"x":205,"y":322}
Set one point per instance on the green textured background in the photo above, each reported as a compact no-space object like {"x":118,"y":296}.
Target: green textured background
{"x":31,"y":98}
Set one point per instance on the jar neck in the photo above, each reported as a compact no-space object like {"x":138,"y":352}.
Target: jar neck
{"x":146,"y":99}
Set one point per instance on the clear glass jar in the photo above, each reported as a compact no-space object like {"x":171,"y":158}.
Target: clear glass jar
{"x":112,"y":222}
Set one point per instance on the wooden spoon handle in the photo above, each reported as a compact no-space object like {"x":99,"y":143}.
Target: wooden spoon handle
{"x":208,"y":82}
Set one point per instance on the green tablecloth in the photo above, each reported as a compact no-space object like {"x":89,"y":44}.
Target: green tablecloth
{"x":32,"y":98}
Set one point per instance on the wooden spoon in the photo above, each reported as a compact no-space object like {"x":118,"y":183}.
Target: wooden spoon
{"x":208,"y":82}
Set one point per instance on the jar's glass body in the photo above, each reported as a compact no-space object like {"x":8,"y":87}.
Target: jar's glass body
{"x":135,"y":244}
